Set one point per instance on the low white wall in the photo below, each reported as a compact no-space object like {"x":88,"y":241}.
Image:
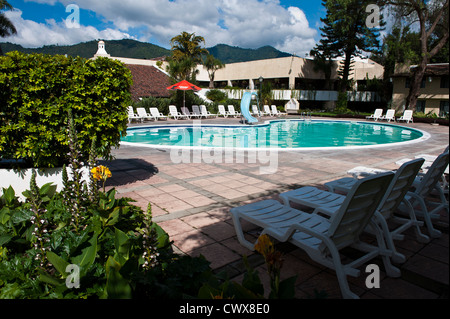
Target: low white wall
{"x":20,"y":179}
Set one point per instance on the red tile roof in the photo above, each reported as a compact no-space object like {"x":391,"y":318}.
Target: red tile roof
{"x":148,"y":81}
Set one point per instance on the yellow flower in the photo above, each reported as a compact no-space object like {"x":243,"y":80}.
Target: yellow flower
{"x":101,"y":173}
{"x":264,"y":246}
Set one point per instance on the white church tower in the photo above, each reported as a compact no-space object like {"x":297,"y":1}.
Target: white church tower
{"x":101,"y":50}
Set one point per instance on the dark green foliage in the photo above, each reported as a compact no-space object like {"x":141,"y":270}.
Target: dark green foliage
{"x":346,"y":34}
{"x":36,"y":93}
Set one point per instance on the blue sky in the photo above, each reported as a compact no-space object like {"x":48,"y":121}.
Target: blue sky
{"x":288,"y":25}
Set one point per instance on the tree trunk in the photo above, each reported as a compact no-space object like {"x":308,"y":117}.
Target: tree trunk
{"x":346,"y":72}
{"x":414,"y":90}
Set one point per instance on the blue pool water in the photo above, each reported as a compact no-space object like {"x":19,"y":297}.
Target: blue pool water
{"x":290,"y":134}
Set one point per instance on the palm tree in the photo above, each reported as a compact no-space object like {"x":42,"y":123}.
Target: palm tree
{"x":6,"y":26}
{"x":188,"y":45}
{"x":186,"y":54}
{"x":212,"y":65}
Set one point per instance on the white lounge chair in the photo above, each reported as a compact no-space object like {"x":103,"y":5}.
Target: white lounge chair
{"x":186,"y":112}
{"x":255,"y":110}
{"x":142,"y":113}
{"x":424,"y":186}
{"x":267,"y":110}
{"x":406,"y":117}
{"x":376,"y":115}
{"x":222,"y":111}
{"x":205,"y":112}
{"x":133,"y":116}
{"x":429,"y":159}
{"x":322,"y":238}
{"x":395,"y":195}
{"x":232,"y":112}
{"x":389,"y":116}
{"x":276,"y":112}
{"x":158,"y":116}
{"x":173,"y":112}
{"x":196,"y":111}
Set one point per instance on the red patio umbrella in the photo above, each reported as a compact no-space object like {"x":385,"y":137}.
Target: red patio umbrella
{"x":184,"y":86}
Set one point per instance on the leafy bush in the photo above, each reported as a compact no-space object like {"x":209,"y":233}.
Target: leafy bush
{"x":217,"y":96}
{"x":36,"y":92}
{"x":86,"y":243}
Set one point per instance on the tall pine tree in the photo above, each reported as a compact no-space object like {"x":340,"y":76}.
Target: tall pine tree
{"x":350,"y":29}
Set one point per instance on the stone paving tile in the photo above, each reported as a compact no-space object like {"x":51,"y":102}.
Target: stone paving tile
{"x":191,"y":240}
{"x":218,"y":254}
{"x":199,"y":201}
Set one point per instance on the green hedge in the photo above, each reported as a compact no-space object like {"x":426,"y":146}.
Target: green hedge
{"x":36,"y":93}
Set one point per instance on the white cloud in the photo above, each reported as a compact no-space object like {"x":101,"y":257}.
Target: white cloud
{"x":32,"y":34}
{"x":248,"y":24}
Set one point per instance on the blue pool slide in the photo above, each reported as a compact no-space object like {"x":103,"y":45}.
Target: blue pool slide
{"x":245,"y":107}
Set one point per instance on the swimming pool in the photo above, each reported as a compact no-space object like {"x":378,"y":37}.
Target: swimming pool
{"x":281,"y":134}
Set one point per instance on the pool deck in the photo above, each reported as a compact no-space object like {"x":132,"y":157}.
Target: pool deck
{"x":191,"y":202}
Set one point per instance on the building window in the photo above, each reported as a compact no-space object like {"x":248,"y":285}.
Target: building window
{"x":443,"y":109}
{"x":420,"y":106}
{"x":444,"y":82}
{"x":408,"y":83}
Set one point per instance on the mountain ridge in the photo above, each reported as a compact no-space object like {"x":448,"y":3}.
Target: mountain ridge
{"x":128,"y":48}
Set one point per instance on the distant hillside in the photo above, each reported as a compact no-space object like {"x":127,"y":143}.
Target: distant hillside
{"x":119,"y":48}
{"x":140,"y":50}
{"x":229,"y":54}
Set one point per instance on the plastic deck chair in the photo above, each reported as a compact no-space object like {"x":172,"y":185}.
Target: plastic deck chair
{"x":407,"y":116}
{"x":196,"y":111}
{"x":205,"y":112}
{"x":155,"y":113}
{"x":186,"y":112}
{"x":173,"y":112}
{"x":320,"y":237}
{"x":232,"y":111}
{"x":376,"y":115}
{"x":222,"y":111}
{"x":276,"y":112}
{"x":143,"y":115}
{"x":390,"y":116}
{"x":424,"y":186}
{"x":267,"y":110}
{"x":132,"y":115}
{"x":395,"y":195}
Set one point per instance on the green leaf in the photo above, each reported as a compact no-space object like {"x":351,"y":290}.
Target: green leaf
{"x":59,"y":263}
{"x":87,"y":256}
{"x":5,"y":215}
{"x":50,"y":280}
{"x":4,"y":239}
{"x":287,"y":288}
{"x":117,"y":287}
{"x":122,"y":244}
{"x":113,"y":217}
{"x":163,"y":237}
{"x":48,"y":190}
{"x":9,"y":195}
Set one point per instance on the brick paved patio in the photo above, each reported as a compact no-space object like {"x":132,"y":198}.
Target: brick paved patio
{"x":192,"y":201}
